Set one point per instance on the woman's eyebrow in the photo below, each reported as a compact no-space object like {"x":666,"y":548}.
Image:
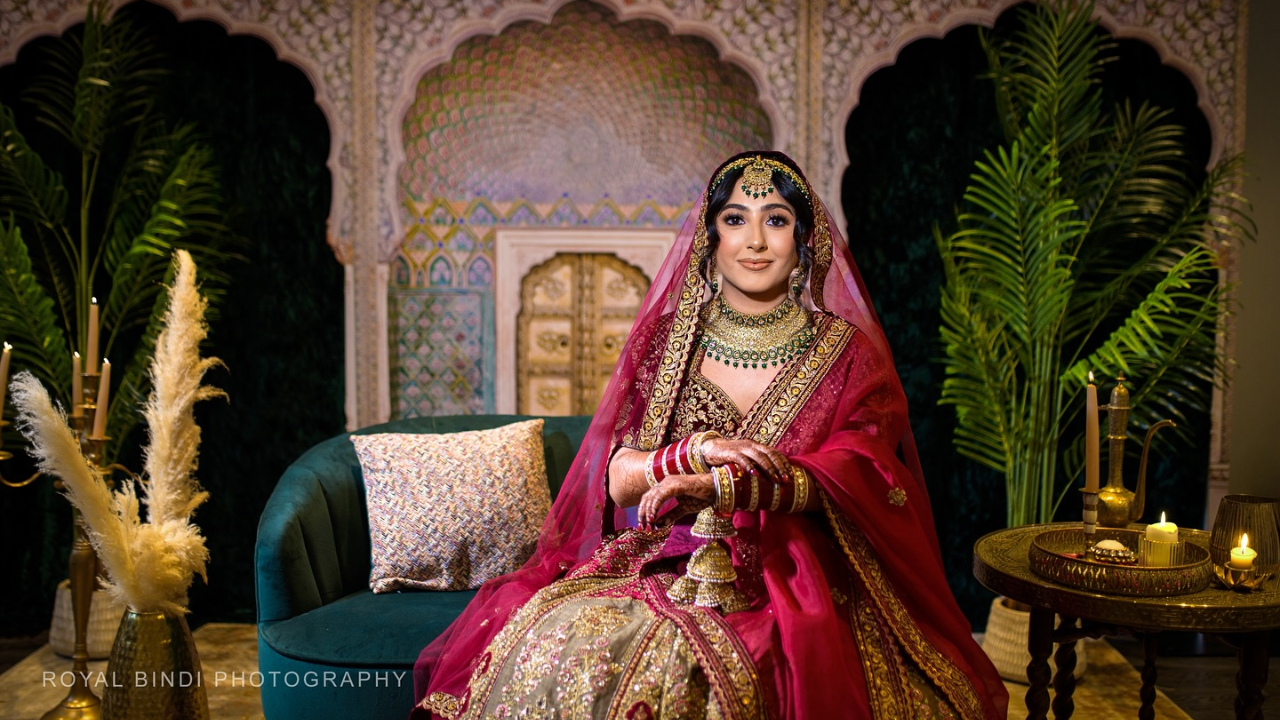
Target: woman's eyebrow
{"x":770,"y":206}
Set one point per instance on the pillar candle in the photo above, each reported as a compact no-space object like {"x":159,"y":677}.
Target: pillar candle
{"x":4,"y":375}
{"x":1242,"y":557}
{"x":100,"y":416}
{"x":1162,"y":531}
{"x":91,"y":356}
{"x":77,"y":387}
{"x":1091,"y":444}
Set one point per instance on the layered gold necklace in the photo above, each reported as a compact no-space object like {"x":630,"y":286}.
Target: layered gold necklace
{"x":755,"y":341}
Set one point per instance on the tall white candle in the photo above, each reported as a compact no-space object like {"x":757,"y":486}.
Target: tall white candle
{"x":1091,"y":444}
{"x":91,"y":355}
{"x":100,"y":415}
{"x":4,"y":374}
{"x":77,"y":387}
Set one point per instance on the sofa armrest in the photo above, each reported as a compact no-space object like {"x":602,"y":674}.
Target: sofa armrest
{"x":312,"y":546}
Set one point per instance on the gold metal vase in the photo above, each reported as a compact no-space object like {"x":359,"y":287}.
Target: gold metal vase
{"x":154,"y":671}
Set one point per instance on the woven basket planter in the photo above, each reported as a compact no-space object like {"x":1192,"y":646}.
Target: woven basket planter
{"x":1006,"y":643}
{"x":104,"y":620}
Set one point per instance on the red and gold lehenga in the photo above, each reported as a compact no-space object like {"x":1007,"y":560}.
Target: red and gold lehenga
{"x":848,"y":612}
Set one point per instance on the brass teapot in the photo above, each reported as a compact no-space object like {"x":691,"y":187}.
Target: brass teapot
{"x":1117,"y":506}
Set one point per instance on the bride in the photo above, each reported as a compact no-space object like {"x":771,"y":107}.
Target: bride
{"x":745,"y":532}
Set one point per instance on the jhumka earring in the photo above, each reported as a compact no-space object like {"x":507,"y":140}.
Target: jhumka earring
{"x":797,"y":283}
{"x":715,"y":278}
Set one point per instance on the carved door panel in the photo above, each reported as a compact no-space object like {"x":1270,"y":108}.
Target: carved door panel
{"x":575,"y":312}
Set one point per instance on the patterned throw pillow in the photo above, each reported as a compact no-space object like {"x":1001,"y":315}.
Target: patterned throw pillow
{"x":450,"y":511}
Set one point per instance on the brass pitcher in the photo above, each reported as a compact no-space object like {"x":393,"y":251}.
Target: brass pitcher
{"x":1118,"y":506}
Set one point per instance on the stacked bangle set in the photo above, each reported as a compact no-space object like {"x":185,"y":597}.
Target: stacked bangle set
{"x":734,"y":489}
{"x":737,"y":491}
{"x":682,"y":458}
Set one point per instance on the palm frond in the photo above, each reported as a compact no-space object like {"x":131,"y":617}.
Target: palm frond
{"x":1015,"y":246}
{"x":155,"y":151}
{"x":1179,"y":306}
{"x":29,"y":188}
{"x":184,"y":215}
{"x":28,"y":320}
{"x":980,"y":377}
{"x":100,"y":85}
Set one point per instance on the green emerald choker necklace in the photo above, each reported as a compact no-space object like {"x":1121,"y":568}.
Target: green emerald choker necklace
{"x":755,"y":341}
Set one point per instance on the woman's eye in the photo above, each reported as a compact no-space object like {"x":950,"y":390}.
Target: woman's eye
{"x":779,"y":220}
{"x":732,"y":219}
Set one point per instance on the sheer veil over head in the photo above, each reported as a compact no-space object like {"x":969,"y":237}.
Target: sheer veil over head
{"x":667,"y":323}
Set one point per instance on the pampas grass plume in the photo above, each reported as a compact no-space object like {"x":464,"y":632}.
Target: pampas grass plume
{"x":150,"y":565}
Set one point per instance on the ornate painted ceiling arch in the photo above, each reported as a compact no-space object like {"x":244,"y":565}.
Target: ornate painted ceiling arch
{"x":414,"y":40}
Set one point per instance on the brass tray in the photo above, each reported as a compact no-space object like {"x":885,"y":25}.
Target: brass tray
{"x":1050,"y":560}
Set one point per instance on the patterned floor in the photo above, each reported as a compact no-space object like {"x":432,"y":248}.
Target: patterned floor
{"x":1108,"y":690}
{"x":227,"y":652}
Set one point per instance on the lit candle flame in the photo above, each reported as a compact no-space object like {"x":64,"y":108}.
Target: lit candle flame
{"x":1090,"y":376}
{"x":1244,"y":541}
{"x":1162,"y":520}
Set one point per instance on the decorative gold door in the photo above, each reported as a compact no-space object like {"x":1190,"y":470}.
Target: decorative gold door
{"x":575,"y":312}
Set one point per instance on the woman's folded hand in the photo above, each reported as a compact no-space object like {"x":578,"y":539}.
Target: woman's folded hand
{"x":752,"y":457}
{"x":694,"y":486}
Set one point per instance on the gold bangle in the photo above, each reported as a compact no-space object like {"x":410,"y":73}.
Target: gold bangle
{"x":695,"y":450}
{"x":777,"y":498}
{"x":649,"y":477}
{"x":724,"y":489}
{"x":755,"y":493}
{"x":801,"y":498}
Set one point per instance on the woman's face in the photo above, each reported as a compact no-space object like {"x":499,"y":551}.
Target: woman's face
{"x":757,"y":250}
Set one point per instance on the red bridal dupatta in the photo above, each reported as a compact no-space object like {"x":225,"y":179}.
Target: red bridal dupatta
{"x":847,"y":606}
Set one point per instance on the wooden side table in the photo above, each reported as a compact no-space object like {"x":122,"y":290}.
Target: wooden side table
{"x":1000,"y":562}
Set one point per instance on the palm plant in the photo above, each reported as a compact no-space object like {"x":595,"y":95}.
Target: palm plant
{"x":143,"y":187}
{"x":1082,"y":246}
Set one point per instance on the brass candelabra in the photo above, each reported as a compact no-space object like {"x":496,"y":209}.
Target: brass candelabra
{"x":84,"y":567}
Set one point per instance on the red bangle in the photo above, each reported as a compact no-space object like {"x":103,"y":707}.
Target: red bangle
{"x":674,"y":459}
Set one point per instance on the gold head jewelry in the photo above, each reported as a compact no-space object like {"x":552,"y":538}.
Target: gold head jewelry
{"x":757,"y":175}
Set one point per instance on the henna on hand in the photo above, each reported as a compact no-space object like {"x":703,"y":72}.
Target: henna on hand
{"x":751,"y":456}
{"x":694,"y":486}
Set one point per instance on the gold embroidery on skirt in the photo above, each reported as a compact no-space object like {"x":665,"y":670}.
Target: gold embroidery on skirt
{"x":594,"y":647}
{"x":442,"y":704}
{"x":934,"y":668}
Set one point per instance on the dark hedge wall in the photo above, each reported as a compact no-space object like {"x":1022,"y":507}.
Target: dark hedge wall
{"x":912,"y":140}
{"x":279,"y":330}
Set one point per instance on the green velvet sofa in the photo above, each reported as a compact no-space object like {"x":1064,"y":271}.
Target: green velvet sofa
{"x":327,"y":646}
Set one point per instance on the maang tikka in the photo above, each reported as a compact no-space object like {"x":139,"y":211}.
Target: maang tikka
{"x":757,"y":179}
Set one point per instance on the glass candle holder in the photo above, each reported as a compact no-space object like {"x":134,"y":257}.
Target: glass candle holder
{"x":1247,"y":514}
{"x":1154,"y":553}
